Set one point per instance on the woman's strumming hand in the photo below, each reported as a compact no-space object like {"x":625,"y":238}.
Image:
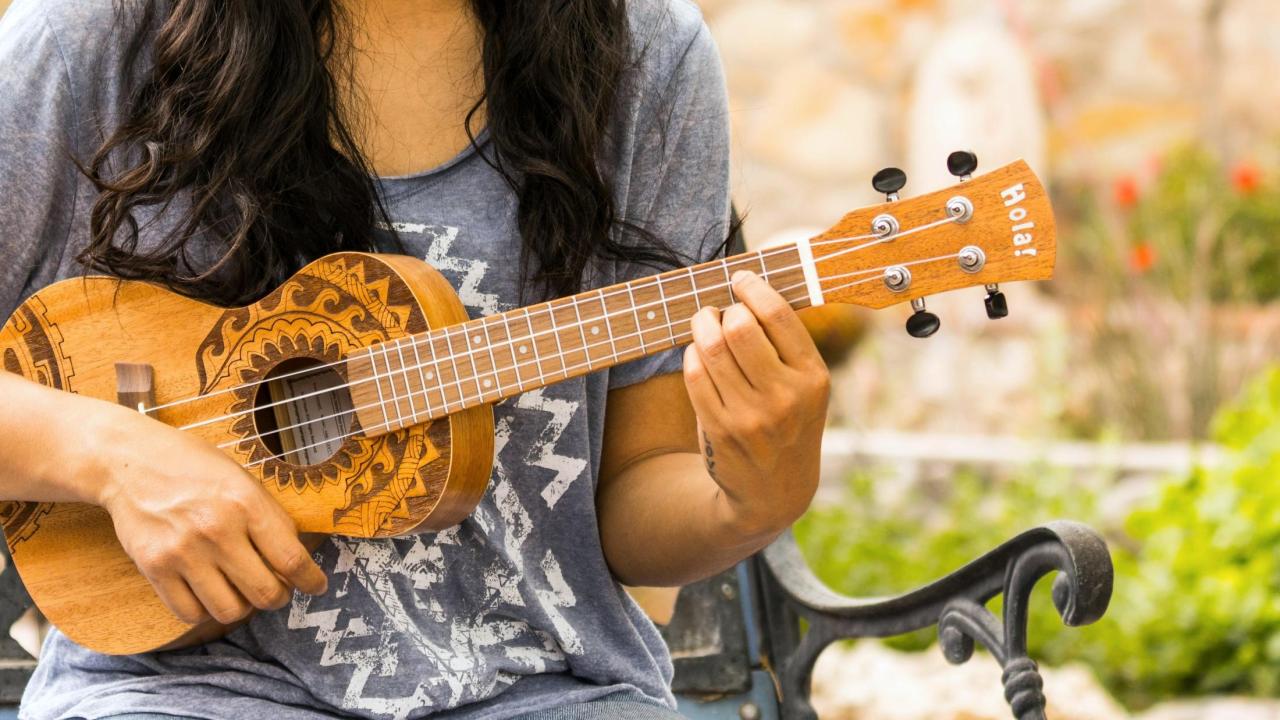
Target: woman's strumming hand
{"x":206,"y":535}
{"x":759,"y":388}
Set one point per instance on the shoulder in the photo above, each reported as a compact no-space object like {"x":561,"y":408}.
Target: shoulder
{"x":81,"y":26}
{"x":667,"y":37}
{"x":85,"y":35}
{"x":69,"y":52}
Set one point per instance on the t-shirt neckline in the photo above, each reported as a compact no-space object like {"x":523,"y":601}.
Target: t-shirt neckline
{"x":471,"y":148}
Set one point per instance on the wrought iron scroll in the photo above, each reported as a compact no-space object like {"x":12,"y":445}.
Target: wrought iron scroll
{"x":956,"y":604}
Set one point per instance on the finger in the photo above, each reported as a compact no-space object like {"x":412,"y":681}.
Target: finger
{"x":217,"y":596}
{"x":709,"y":341}
{"x":277,"y":542}
{"x":703,"y":395}
{"x":753,"y":350}
{"x":777,"y":318}
{"x":255,"y":582}
{"x":177,"y":596}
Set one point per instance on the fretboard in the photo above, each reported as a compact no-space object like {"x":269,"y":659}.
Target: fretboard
{"x":422,"y":377}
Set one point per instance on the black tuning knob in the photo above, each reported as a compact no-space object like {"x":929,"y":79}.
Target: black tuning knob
{"x":997,"y":305}
{"x":889,"y":181}
{"x":922,"y":323}
{"x":963,"y":164}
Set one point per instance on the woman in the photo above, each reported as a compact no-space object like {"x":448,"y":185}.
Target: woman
{"x":215,"y":146}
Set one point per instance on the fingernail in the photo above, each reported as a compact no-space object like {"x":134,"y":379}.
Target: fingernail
{"x":744,"y":276}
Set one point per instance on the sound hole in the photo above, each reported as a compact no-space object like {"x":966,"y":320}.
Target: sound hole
{"x":302,"y":412}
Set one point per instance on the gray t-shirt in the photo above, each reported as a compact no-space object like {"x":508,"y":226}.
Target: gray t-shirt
{"x":515,"y":609}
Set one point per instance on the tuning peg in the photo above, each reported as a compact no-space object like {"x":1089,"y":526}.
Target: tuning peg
{"x":997,"y":305}
{"x":922,"y":323}
{"x":962,"y":164}
{"x":889,"y":181}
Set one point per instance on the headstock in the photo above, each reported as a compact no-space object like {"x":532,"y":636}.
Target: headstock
{"x":991,"y":229}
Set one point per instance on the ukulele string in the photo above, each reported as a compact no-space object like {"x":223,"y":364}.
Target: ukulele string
{"x":682,"y":336}
{"x":763,"y":254}
{"x":462,"y":401}
{"x":768,"y":252}
{"x":451,"y":332}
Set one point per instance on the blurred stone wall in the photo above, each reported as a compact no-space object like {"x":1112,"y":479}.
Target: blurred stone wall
{"x":824,"y":93}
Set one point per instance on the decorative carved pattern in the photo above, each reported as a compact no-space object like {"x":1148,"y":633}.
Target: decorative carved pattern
{"x":333,"y":308}
{"x":32,"y":348}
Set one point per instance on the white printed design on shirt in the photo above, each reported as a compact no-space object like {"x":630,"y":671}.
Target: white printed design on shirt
{"x":434,"y":621}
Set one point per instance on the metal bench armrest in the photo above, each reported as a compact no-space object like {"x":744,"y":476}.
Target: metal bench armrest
{"x":956,"y":604}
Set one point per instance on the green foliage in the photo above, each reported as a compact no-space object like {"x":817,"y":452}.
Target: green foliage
{"x":1196,"y":607}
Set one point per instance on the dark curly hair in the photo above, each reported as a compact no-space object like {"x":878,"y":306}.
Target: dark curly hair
{"x":239,"y":124}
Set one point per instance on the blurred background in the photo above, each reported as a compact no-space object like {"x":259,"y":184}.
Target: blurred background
{"x":1135,"y":392}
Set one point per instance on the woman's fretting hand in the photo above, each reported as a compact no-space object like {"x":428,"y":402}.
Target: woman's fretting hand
{"x":206,"y":535}
{"x":759,"y":388}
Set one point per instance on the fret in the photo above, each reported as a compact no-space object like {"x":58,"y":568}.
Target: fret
{"x":422,"y":378}
{"x":608,"y":326}
{"x":787,"y":277}
{"x":635,"y":313}
{"x":533,"y":342}
{"x":764,"y":267}
{"x":684,"y":298}
{"x":627,"y":342}
{"x":452,"y":354}
{"x":377,"y":384}
{"x":728,"y":281}
{"x":666,"y":309}
{"x":464,"y":332}
{"x":555,"y":332}
{"x":404,"y":371}
{"x":391,"y":381}
{"x":721,"y":296}
{"x":740,"y":263}
{"x":693,"y":288}
{"x":582,"y":331}
{"x":435,"y":374}
{"x":494,"y":383}
{"x":504,"y":344}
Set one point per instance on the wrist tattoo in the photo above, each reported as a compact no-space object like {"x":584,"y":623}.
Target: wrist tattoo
{"x":709,"y":456}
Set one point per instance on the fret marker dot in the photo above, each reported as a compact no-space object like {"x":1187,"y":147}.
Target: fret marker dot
{"x":524,"y":350}
{"x":476,"y":339}
{"x":595,"y":331}
{"x":488,"y":383}
{"x":431,"y":376}
{"x":651,"y":315}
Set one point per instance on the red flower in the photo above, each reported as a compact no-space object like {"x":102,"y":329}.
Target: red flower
{"x":1246,"y":178}
{"x":1126,"y":191}
{"x":1142,"y":257}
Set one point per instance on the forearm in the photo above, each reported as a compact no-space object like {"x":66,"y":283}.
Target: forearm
{"x":665,"y":522}
{"x":46,"y":441}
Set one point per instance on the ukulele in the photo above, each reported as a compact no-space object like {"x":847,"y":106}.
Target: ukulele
{"x":360,"y":394}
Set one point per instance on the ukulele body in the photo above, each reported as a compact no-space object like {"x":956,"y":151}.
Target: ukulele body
{"x":78,"y":334}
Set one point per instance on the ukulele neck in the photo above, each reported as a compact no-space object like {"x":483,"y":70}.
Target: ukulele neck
{"x":427,"y":376}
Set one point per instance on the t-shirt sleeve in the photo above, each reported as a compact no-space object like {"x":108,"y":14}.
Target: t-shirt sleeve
{"x":38,"y":176}
{"x":679,"y":181}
